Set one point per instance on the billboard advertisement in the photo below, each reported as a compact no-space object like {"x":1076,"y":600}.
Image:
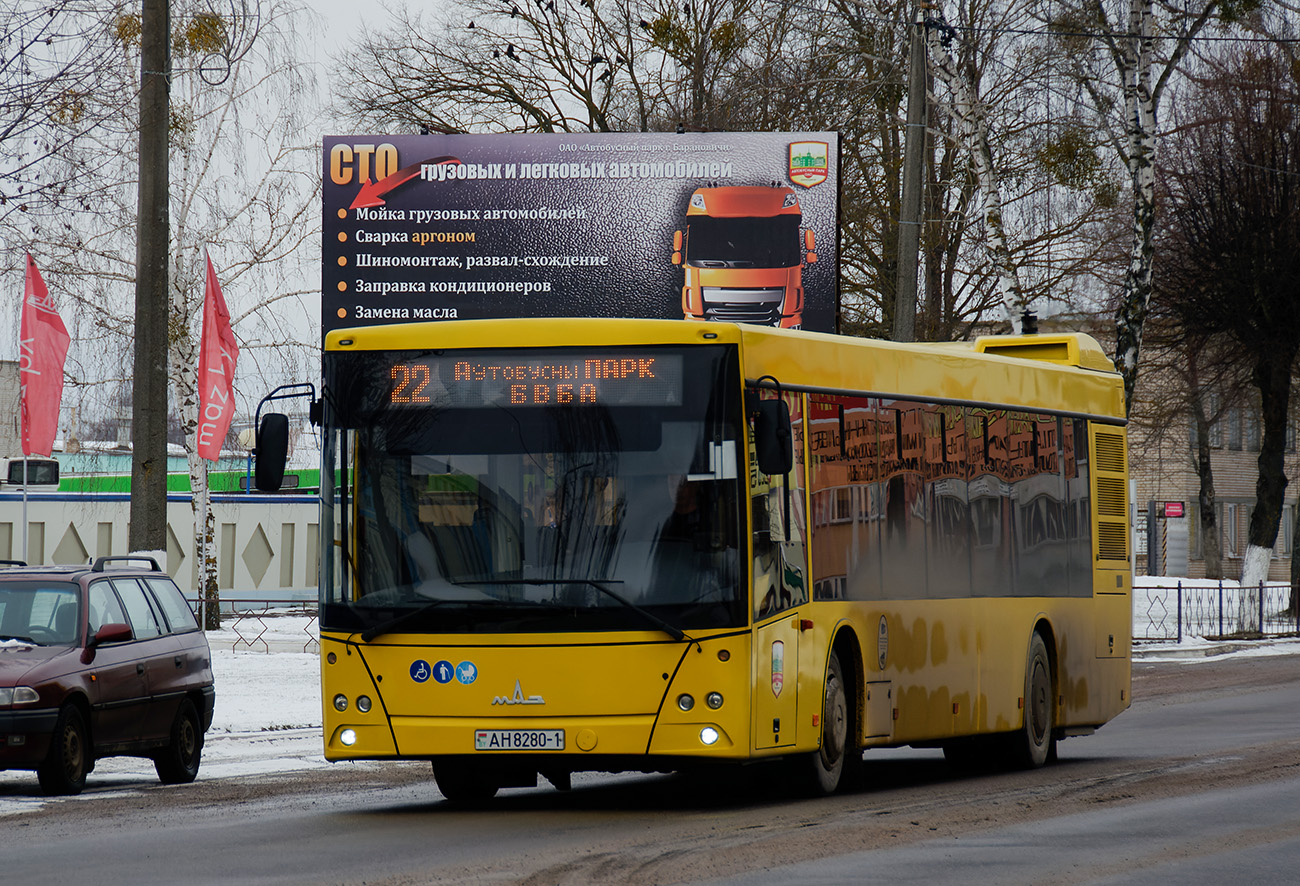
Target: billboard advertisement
{"x":717,"y":226}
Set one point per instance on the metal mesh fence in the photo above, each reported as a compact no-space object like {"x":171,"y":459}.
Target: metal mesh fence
{"x":1212,"y":610}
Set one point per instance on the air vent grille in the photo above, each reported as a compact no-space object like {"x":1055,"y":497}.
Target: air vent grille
{"x":1110,"y":479}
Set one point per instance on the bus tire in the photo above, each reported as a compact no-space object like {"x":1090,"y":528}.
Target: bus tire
{"x":464,"y":785}
{"x":828,"y":761}
{"x":1035,"y":743}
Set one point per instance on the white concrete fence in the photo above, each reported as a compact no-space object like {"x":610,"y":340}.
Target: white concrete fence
{"x":267,"y":545}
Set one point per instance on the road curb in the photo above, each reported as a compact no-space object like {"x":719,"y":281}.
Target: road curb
{"x":1193,"y":652}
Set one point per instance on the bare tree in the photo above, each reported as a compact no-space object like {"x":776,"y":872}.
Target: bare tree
{"x":241,"y":190}
{"x":244,"y":187}
{"x":57,"y":86}
{"x":499,"y":65}
{"x":1125,"y":63}
{"x":973,"y":125}
{"x":1011,"y":174}
{"x":618,"y":65}
{"x":1234,"y":204}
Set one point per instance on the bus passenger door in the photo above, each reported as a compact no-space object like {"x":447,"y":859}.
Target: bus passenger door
{"x":780,"y":588}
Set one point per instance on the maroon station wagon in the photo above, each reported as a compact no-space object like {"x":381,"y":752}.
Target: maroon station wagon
{"x":100,"y":661}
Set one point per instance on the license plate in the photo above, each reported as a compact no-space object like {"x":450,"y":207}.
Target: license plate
{"x":519,"y":740}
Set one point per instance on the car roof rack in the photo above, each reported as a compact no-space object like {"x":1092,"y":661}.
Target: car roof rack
{"x":101,"y":561}
{"x":13,"y":562}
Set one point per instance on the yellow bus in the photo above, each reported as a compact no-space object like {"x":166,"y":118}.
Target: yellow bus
{"x":571,"y":545}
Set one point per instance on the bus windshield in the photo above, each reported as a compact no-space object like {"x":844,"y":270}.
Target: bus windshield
{"x":535,"y":491}
{"x":743,"y":242}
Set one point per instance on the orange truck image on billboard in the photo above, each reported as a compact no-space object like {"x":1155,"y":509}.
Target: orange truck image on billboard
{"x":743,"y":252}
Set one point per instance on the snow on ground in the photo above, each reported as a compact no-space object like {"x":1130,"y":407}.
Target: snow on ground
{"x":258,"y":692}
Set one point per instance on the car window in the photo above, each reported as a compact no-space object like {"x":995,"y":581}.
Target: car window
{"x":41,"y":611}
{"x":105,"y":609}
{"x":177,"y":612}
{"x":139,"y":608}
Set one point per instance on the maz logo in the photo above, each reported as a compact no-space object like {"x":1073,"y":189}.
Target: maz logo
{"x":518,"y":697}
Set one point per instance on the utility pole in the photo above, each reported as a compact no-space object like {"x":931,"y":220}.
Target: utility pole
{"x":909,"y":222}
{"x":148,"y":530}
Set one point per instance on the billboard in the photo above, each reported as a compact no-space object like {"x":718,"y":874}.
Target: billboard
{"x":719,"y":226}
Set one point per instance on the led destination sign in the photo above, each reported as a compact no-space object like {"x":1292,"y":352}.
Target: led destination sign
{"x":555,"y":379}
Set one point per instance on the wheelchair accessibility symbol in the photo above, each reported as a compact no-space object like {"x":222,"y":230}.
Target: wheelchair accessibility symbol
{"x":420,"y":670}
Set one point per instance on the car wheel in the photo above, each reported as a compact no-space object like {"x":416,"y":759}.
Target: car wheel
{"x":65,"y":767}
{"x":178,"y":763}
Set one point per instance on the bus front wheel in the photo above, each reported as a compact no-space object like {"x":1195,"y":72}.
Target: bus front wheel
{"x":828,"y":761}
{"x":464,"y":785}
{"x":1035,"y":743}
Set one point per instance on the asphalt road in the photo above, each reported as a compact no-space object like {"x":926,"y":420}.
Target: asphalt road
{"x":1198,"y":783}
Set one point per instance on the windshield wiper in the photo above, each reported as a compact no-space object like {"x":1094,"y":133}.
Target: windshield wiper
{"x":667,"y":627}
{"x":387,"y":627}
{"x":20,"y":639}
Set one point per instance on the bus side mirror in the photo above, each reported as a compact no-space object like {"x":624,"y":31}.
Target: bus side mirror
{"x":677,"y":247}
{"x":272,"y":451}
{"x":773,"y":442}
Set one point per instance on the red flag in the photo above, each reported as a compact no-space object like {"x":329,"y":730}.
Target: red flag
{"x":43,"y":345}
{"x":217,"y":355}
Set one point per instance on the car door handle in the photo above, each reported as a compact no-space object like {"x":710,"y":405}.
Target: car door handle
{"x":139,"y":667}
{"x":180,"y":662}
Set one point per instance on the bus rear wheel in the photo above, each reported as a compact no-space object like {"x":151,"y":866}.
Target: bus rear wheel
{"x":828,"y":761}
{"x":465,"y":785}
{"x":1035,"y":743}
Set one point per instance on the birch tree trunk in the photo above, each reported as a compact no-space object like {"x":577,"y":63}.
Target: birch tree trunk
{"x":1133,"y":59}
{"x":1132,"y":53}
{"x":205,"y":523}
{"x":974,"y":133}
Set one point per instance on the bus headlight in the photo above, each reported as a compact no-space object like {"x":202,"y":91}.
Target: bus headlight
{"x":363,"y":704}
{"x":340,"y":702}
{"x":708,"y":735}
{"x":713,"y":700}
{"x":685,"y":701}
{"x":348,"y":737}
